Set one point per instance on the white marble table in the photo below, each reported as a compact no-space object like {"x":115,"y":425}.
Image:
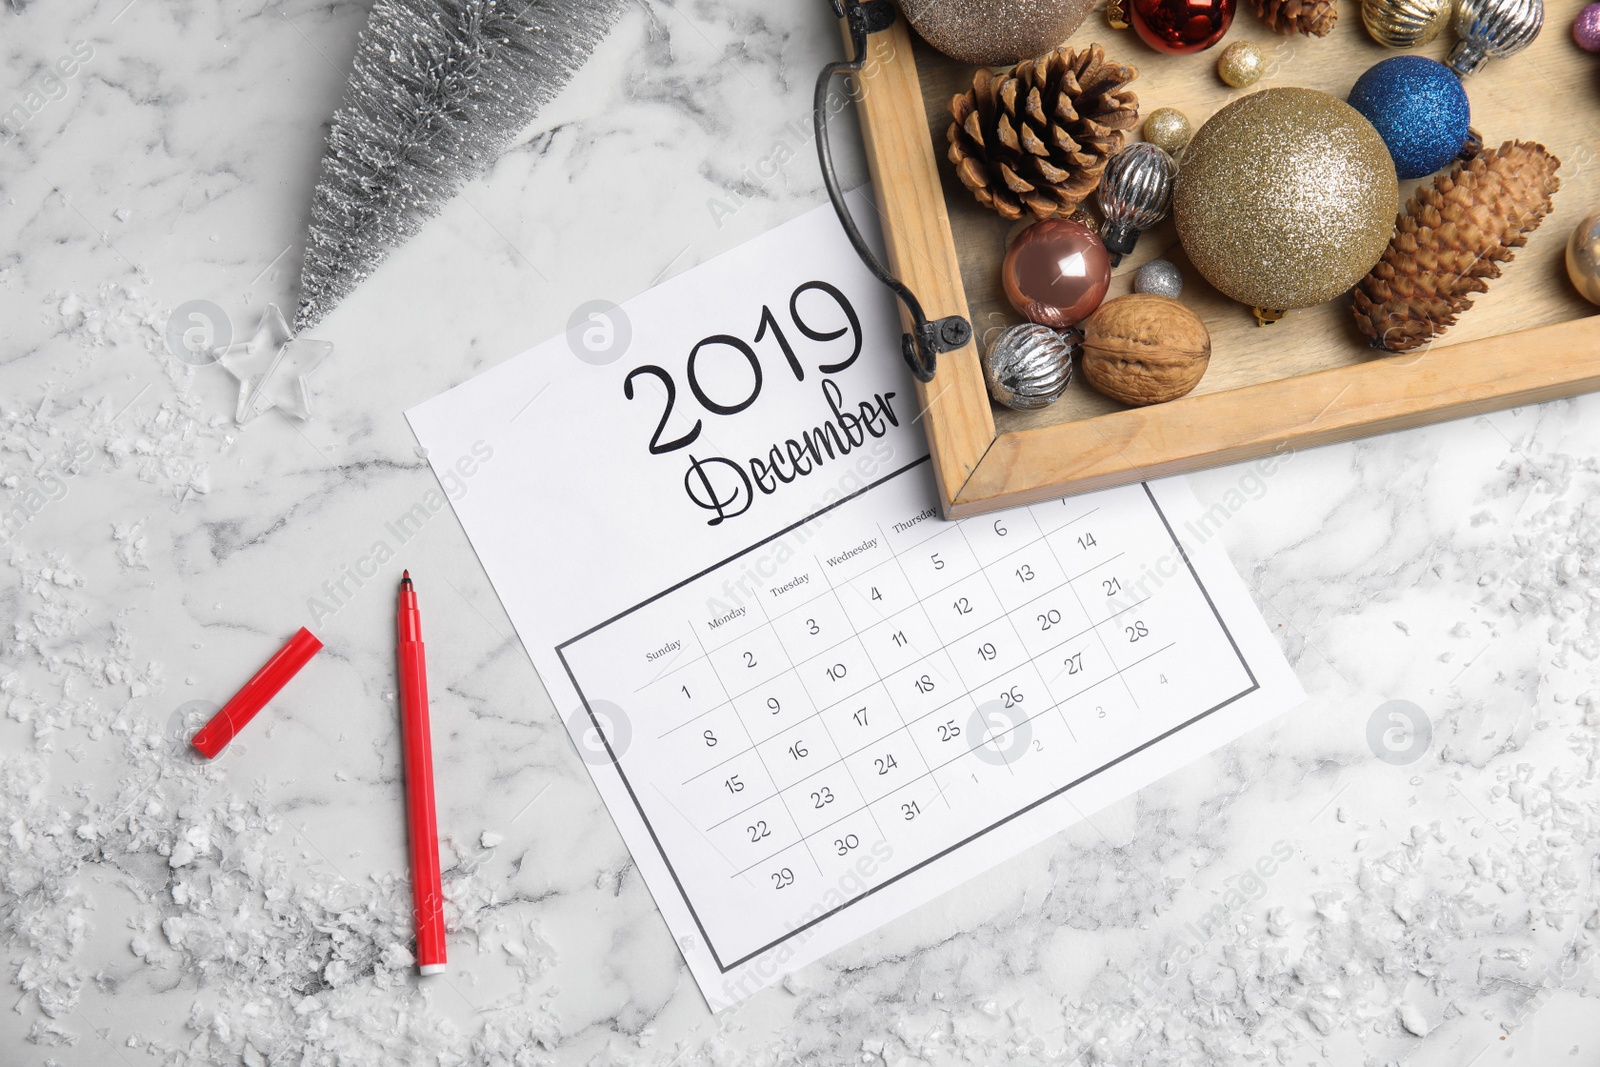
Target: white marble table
{"x":153,"y":910}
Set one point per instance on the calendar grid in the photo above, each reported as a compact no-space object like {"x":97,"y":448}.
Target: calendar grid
{"x":934,"y":592}
{"x":905,"y":726}
{"x":999,"y":616}
{"x":1097,"y":634}
{"x":782,"y":799}
{"x":929,"y":773}
{"x":819,"y":709}
{"x":1010,"y":623}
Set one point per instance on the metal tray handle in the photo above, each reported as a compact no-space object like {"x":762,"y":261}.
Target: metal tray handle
{"x":927,"y":339}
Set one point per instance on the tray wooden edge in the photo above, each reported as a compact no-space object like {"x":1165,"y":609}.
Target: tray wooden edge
{"x":1340,"y":404}
{"x":954,"y":407}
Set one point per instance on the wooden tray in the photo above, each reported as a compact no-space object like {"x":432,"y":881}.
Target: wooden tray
{"x":1308,"y":380}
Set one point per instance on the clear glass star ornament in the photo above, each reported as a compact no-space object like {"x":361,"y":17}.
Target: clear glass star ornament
{"x":273,"y":368}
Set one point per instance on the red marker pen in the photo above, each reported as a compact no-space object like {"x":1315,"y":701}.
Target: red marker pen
{"x":426,"y":887}
{"x":225,"y":725}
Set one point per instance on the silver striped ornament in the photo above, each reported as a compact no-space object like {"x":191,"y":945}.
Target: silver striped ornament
{"x":1135,"y":194}
{"x":1030,"y":366}
{"x":1493,"y":29}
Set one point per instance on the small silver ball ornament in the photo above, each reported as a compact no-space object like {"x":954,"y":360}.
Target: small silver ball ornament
{"x":1159,"y":277}
{"x":1030,"y":366}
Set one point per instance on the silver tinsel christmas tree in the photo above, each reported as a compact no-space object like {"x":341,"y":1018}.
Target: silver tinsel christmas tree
{"x":439,"y":89}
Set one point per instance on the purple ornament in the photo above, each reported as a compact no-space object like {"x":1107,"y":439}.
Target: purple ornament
{"x":1586,"y":28}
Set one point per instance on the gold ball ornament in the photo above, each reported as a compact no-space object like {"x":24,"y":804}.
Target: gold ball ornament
{"x":1583,"y":258}
{"x":1286,"y":198}
{"x":991,"y":33}
{"x":1168,"y":129}
{"x":1241,"y":64}
{"x":1405,"y":23}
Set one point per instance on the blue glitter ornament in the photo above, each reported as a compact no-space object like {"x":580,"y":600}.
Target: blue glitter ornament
{"x":1419,"y":109}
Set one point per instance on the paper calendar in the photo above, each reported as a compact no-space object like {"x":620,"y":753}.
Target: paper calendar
{"x":809,"y":703}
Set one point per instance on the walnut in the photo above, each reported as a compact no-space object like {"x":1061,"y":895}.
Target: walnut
{"x":1145,"y":349}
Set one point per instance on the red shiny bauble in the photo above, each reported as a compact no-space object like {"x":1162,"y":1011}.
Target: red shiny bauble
{"x":1180,"y":27}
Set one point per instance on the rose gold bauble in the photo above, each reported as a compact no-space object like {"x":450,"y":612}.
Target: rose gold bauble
{"x":1056,"y":273}
{"x":995,"y":32}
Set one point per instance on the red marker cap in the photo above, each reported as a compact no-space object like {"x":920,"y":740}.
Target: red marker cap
{"x":237,"y":713}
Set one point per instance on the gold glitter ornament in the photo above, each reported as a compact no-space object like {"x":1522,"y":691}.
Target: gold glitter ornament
{"x":1583,"y":258}
{"x":1168,"y":129}
{"x":1241,"y":64}
{"x":1405,"y":23}
{"x":992,"y":33}
{"x":1286,"y":198}
{"x":1084,"y":217}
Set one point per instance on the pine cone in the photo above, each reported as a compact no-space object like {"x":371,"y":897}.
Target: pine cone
{"x":1451,"y":241}
{"x":1035,"y":141}
{"x":1314,"y":18}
